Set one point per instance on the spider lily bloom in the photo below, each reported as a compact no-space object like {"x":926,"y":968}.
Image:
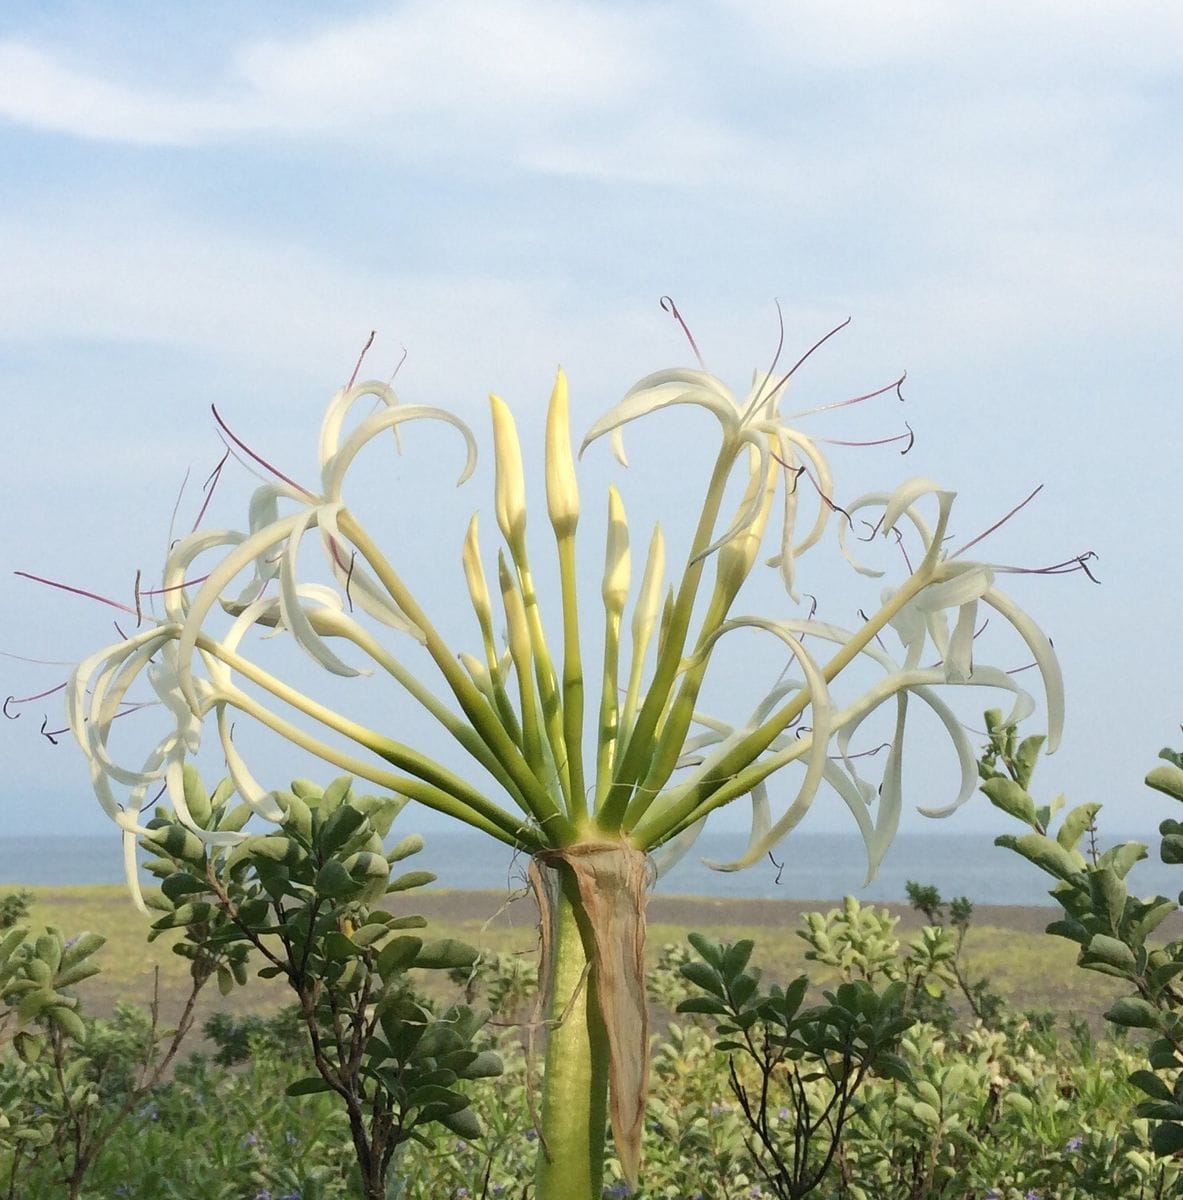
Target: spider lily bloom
{"x":517,"y":708}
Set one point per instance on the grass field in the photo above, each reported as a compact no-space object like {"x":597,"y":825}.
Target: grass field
{"x":1030,"y":969}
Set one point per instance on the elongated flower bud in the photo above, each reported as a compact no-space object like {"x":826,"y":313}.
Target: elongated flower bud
{"x":510,"y":492}
{"x":737,"y":557}
{"x":474,"y":574}
{"x":616,"y":561}
{"x":562,"y":491}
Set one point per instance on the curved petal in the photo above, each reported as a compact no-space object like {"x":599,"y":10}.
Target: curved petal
{"x":1045,"y":657}
{"x":258,"y":798}
{"x":666,"y":388}
{"x":343,"y":400}
{"x":292,"y":611}
{"x":335,"y":468}
{"x":217,"y":581}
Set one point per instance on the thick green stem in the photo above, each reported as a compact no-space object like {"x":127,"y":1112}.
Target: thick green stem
{"x":575,"y":1085}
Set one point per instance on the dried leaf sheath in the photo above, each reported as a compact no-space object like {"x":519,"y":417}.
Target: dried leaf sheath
{"x":612,"y":879}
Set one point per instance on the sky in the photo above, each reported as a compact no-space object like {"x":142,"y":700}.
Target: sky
{"x":217,"y":202}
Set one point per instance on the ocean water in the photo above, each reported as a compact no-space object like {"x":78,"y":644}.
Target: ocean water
{"x":813,"y":866}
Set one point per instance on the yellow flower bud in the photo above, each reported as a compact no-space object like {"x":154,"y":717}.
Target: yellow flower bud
{"x":616,"y":560}
{"x":474,"y":574}
{"x":737,"y":556}
{"x":510,"y":491}
{"x":562,"y":491}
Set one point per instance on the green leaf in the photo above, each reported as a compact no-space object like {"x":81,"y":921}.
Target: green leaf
{"x":409,"y":880}
{"x":486,"y":1065}
{"x":710,"y":950}
{"x":397,"y":955}
{"x":1108,"y":894}
{"x":704,"y":976}
{"x":333,"y":882}
{"x":1167,"y":1139}
{"x":308,"y":1086}
{"x":735,"y":957}
{"x":1152,"y":1085}
{"x":409,"y":845}
{"x":1027,"y":756}
{"x":446,"y":954}
{"x":297,"y":815}
{"x":463,"y":1123}
{"x":1013,"y":799}
{"x":1123,"y":856}
{"x":177,"y":841}
{"x":183,"y":884}
{"x":196,"y":797}
{"x":1133,"y":1012}
{"x":69,"y":976}
{"x":1152,"y":913}
{"x":339,"y":827}
{"x":703,"y":1004}
{"x":338,"y":947}
{"x":1076,"y":824}
{"x":308,"y":791}
{"x":926,"y":1113}
{"x":336,"y":794}
{"x":1046,"y":854}
{"x":67,"y":1020}
{"x":274,"y":847}
{"x":1167,"y":779}
{"x":1110,"y":951}
{"x":82,"y":946}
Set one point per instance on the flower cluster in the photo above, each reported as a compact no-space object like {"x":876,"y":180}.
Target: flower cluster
{"x":517,"y":708}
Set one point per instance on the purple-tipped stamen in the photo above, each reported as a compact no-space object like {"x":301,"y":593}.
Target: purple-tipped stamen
{"x":797,"y":472}
{"x":816,"y":346}
{"x":258,"y":458}
{"x":899,"y":437}
{"x":209,"y":486}
{"x":887,"y":387}
{"x":361,"y":359}
{"x":998,"y":524}
{"x":668,"y":305}
{"x":65,"y":587}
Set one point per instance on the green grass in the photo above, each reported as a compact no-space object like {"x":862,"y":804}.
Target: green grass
{"x":1030,"y":969}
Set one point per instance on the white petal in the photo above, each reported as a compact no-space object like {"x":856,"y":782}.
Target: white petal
{"x":339,"y":406}
{"x":334,"y":469}
{"x":1045,"y":656}
{"x":260,"y":800}
{"x":666,"y":388}
{"x":294,"y":616}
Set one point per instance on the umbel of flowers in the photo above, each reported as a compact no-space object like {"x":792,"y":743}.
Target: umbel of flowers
{"x":525,"y":707}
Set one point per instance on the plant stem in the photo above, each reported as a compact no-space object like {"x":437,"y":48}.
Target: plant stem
{"x":575,"y":1085}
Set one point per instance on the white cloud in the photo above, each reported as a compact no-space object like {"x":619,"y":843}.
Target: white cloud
{"x":480,"y":65}
{"x":986,"y":41}
{"x":38,"y":91}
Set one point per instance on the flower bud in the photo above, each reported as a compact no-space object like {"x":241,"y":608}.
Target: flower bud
{"x":510,"y":488}
{"x":738,"y":555}
{"x":562,"y":491}
{"x":478,"y":589}
{"x":616,"y":561}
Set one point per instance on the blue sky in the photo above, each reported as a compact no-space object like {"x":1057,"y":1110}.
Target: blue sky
{"x":217,"y":202}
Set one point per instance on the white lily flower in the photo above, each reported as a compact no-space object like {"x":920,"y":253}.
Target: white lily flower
{"x":661,"y":765}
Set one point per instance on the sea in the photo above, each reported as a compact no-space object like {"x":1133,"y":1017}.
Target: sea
{"x":808,"y":866}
